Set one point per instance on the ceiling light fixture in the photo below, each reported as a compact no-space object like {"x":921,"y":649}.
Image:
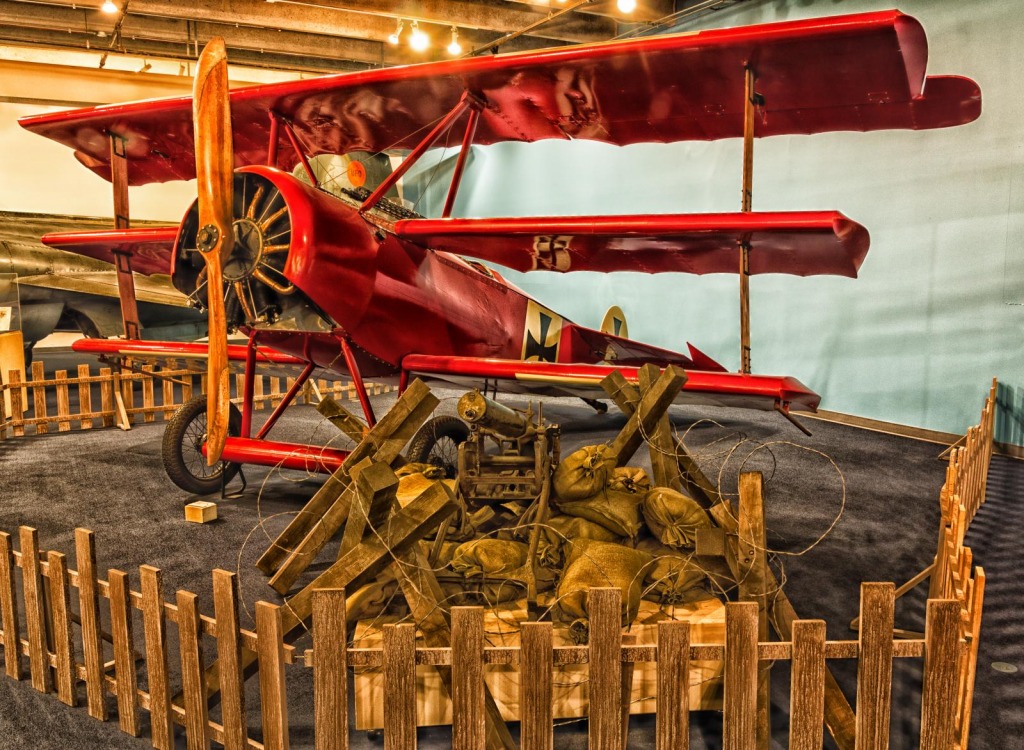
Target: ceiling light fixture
{"x":454,"y":48}
{"x":418,"y":40}
{"x":393,"y":39}
{"x":109,"y":7}
{"x":626,"y":6}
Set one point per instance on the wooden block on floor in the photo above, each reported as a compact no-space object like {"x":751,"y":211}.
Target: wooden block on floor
{"x":201,"y":511}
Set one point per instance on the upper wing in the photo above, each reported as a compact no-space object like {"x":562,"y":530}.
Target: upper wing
{"x":857,"y":72}
{"x":557,"y":379}
{"x":150,"y":248}
{"x":802,"y":244}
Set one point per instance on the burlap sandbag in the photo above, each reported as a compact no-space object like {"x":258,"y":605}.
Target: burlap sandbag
{"x":494,"y":559}
{"x":615,"y":510}
{"x":630,"y":479}
{"x":594,"y":564}
{"x":428,"y":470}
{"x":672,"y":577}
{"x":583,"y":473}
{"x":561,"y":531}
{"x":673,"y":517}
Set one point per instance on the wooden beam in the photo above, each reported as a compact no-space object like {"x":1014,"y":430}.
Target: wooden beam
{"x":747,"y":206}
{"x":123,"y":261}
{"x":651,"y":408}
{"x":752,"y":546}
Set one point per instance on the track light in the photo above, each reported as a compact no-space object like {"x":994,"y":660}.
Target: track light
{"x":393,"y":39}
{"x":109,"y":7}
{"x":626,"y":6}
{"x":418,"y":40}
{"x":454,"y":48}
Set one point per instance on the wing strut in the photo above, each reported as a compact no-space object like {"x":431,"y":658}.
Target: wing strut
{"x":460,"y":164}
{"x":750,"y":101}
{"x":465,"y":102}
{"x":123,"y":261}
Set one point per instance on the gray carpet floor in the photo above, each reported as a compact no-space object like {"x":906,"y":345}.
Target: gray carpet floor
{"x":879,"y":491}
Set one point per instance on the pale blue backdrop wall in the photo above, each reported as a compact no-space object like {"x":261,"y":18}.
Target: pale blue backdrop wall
{"x":937,"y":310}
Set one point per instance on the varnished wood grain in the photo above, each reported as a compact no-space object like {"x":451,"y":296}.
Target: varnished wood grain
{"x":330,"y":671}
{"x":88,"y":608}
{"x":673,"y":712}
{"x":229,"y":657}
{"x":193,"y":684}
{"x":35,"y":610}
{"x":124,"y":652}
{"x":604,"y":605}
{"x":399,"y":687}
{"x":740,"y":710}
{"x":9,"y":609}
{"x":468,"y":722}
{"x":60,"y":610}
{"x":807,"y":686}
{"x":874,"y":666}
{"x":650,"y":409}
{"x":752,"y":547}
{"x":273,"y":698}
{"x":942,"y":648}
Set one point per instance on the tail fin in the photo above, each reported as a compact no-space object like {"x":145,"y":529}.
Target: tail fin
{"x":702,"y":361}
{"x":615,"y":322}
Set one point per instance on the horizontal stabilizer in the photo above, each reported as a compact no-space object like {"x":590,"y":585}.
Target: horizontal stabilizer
{"x":150,"y":248}
{"x":798,"y":243}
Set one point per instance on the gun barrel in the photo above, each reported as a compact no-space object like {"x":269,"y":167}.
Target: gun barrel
{"x":481,"y":411}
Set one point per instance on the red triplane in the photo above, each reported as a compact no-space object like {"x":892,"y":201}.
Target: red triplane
{"x":353,"y":281}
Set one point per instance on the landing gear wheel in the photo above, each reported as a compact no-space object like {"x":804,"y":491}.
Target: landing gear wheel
{"x":437,"y":443}
{"x":182,"y":452}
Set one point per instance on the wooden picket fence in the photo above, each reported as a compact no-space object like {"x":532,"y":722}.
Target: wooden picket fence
{"x":162,"y":388}
{"x":179,"y":695}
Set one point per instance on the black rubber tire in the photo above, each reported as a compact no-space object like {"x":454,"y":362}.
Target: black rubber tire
{"x":437,"y":443}
{"x":181,"y":451}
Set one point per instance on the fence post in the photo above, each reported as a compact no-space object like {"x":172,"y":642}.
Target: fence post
{"x":193,"y":682}
{"x":941,"y":655}
{"x":673,"y":712}
{"x":60,"y":600}
{"x":399,"y":686}
{"x":229,"y":659}
{"x":107,"y":396}
{"x":155,"y":631}
{"x":63,"y":402}
{"x":536,"y":662}
{"x":84,"y":396}
{"x":740,"y":710}
{"x":17,"y":407}
{"x":752,"y":585}
{"x":967,"y":691}
{"x":469,"y":727}
{"x":330,"y":670}
{"x":273,"y":700}
{"x":148,"y":402}
{"x":124,"y":651}
{"x":605,"y":608}
{"x":874,"y":665}
{"x":39,"y":398}
{"x":167,"y":388}
{"x":807,"y":686}
{"x":88,"y":607}
{"x":35,"y":611}
{"x":9,"y":609}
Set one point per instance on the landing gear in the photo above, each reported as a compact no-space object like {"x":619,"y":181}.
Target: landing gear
{"x":437,"y":443}
{"x":182,"y":453}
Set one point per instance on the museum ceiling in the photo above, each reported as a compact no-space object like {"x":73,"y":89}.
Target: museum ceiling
{"x":332,"y":35}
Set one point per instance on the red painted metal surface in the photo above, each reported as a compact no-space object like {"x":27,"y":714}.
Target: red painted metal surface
{"x":798,"y":243}
{"x":150,"y":247}
{"x":857,"y":72}
{"x":573,"y":379}
{"x":283,"y":455}
{"x":176,"y":350}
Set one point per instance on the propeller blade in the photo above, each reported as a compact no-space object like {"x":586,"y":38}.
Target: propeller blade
{"x":211,"y":114}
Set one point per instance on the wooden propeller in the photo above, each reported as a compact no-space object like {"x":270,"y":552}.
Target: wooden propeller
{"x":211,"y":113}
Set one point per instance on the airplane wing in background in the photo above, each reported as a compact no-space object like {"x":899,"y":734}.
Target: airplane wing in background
{"x":150,"y":248}
{"x":798,"y":243}
{"x":857,"y":72}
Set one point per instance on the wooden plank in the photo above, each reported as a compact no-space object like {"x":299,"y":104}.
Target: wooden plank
{"x":229,"y":657}
{"x":604,"y":605}
{"x":257,"y":395}
{"x":752,"y":547}
{"x":84,"y":396}
{"x":399,"y":687}
{"x":326,"y":511}
{"x":39,"y":399}
{"x":941,"y":656}
{"x":740,"y":703}
{"x":967,"y":697}
{"x":124,"y":652}
{"x":536,"y":685}
{"x":88,"y":608}
{"x":468,"y":722}
{"x":650,"y":409}
{"x":193,"y":686}
{"x":673,"y":712}
{"x":60,"y":609}
{"x":342,"y":418}
{"x":273,"y":698}
{"x":148,"y":402}
{"x":35,"y":610}
{"x":17,"y":406}
{"x":155,"y":632}
{"x":807,"y":686}
{"x":63,"y":402}
{"x":626,"y":670}
{"x":126,"y":403}
{"x":660,"y":443}
{"x":874,"y":665}
{"x":9,"y":609}
{"x":167,"y":391}
{"x":330,"y":670}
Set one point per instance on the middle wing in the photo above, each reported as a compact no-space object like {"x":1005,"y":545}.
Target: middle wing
{"x":798,"y":243}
